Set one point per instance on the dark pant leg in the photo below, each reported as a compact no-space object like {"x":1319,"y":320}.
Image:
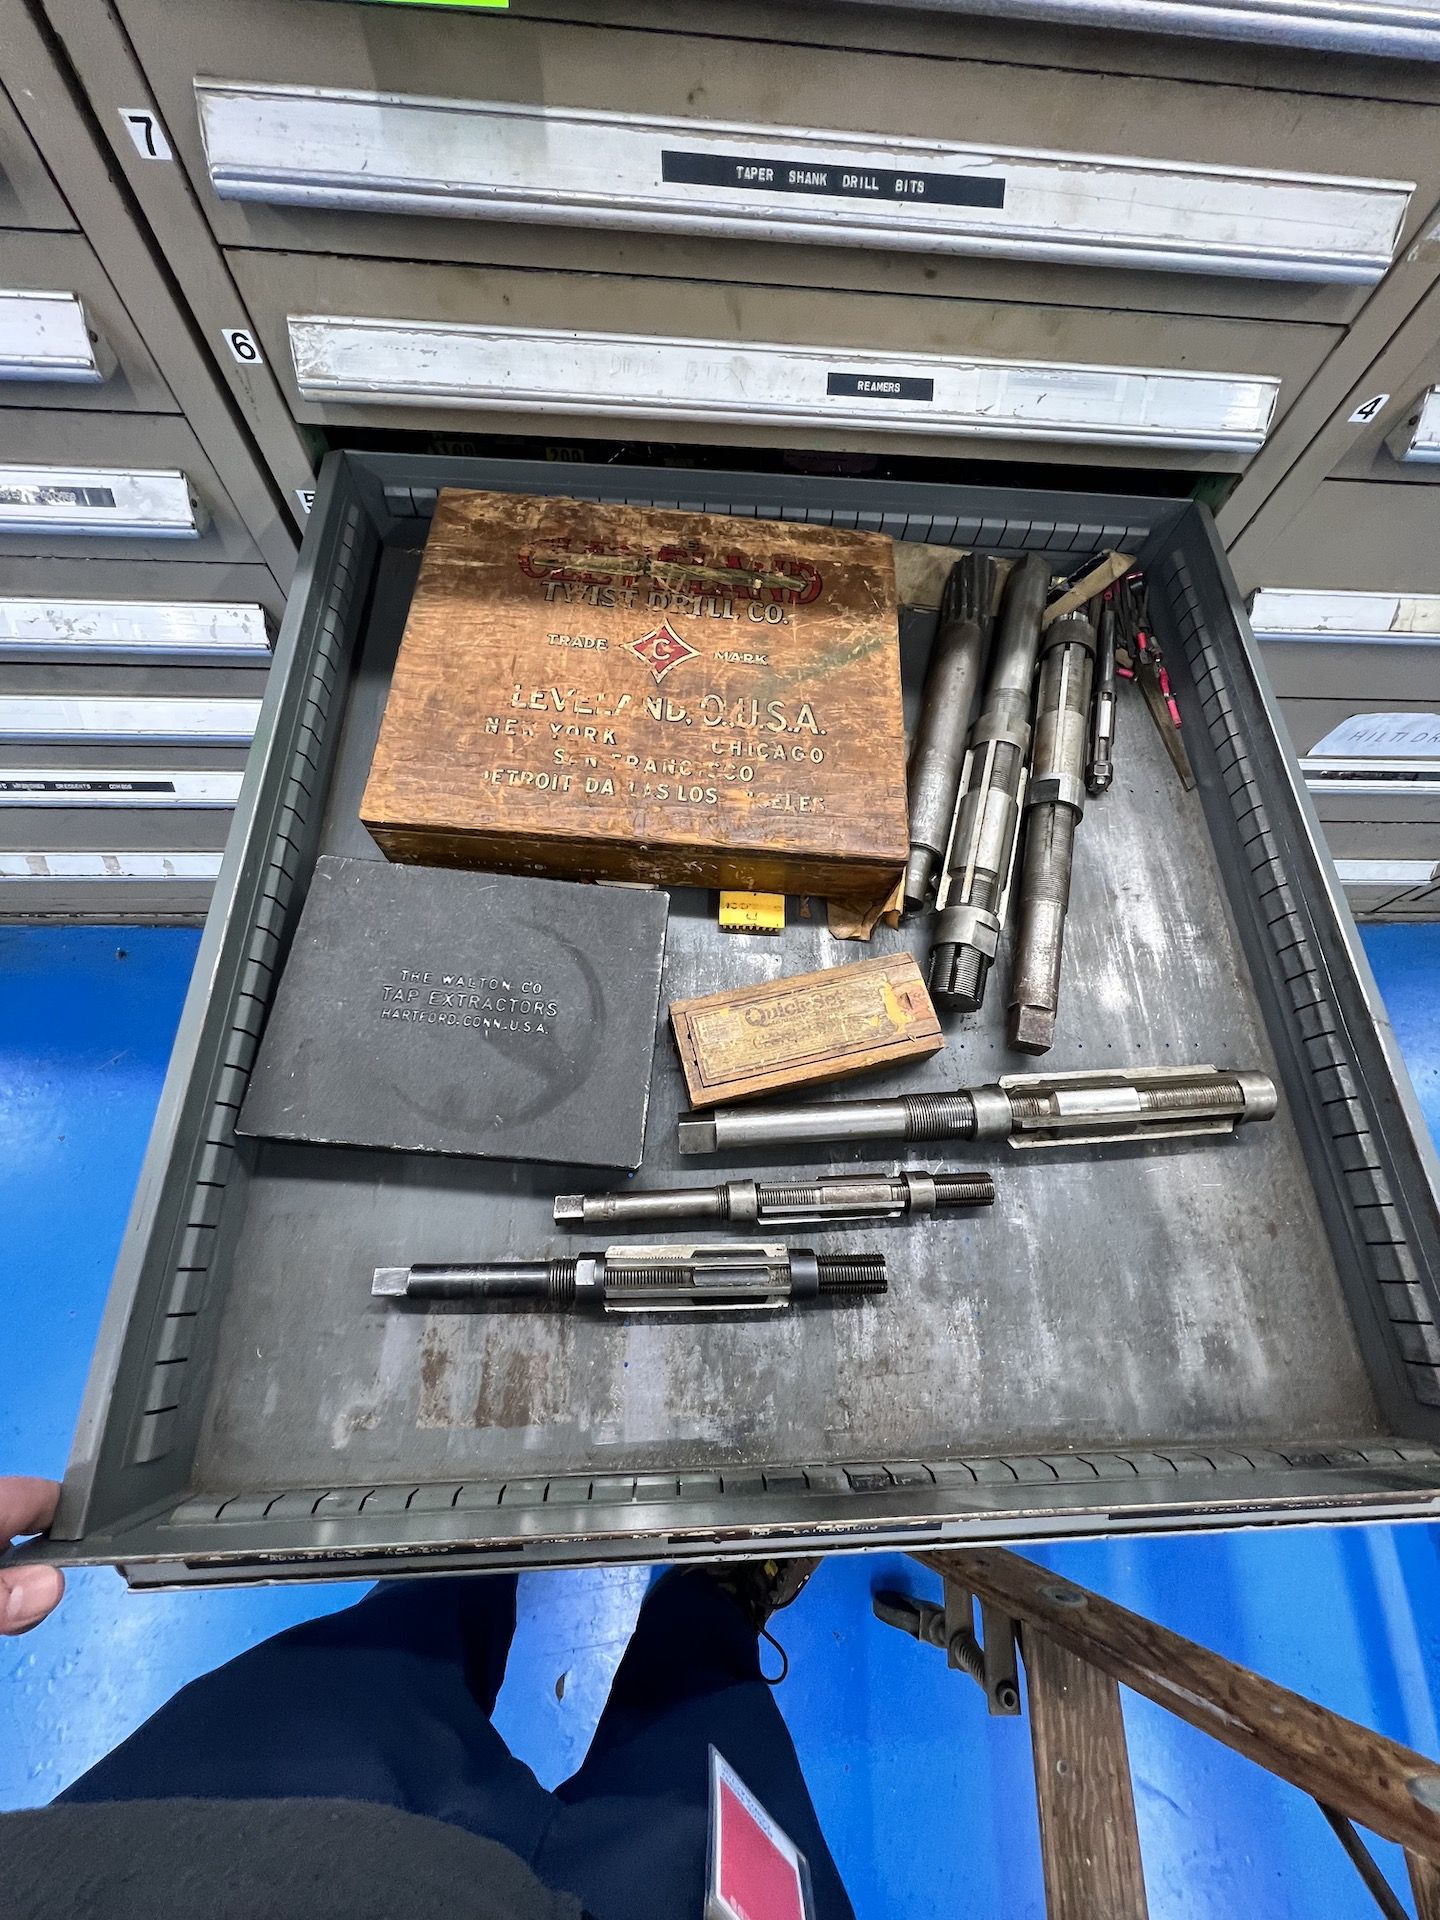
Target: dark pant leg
{"x":388,"y":1700}
{"x":630,"y":1836}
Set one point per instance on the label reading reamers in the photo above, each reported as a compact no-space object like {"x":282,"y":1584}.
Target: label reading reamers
{"x":880,"y":386}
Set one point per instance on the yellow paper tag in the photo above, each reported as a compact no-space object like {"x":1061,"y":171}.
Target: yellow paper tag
{"x":753,"y":912}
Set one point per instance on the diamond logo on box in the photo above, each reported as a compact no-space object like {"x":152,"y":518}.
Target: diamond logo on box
{"x":662,"y":650}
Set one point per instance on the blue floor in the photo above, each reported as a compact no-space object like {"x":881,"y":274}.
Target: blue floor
{"x":929,"y":1805}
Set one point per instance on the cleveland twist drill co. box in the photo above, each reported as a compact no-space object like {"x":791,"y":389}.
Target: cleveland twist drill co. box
{"x":606,"y":691}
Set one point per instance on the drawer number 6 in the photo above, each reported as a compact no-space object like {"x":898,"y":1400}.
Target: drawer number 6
{"x":241,"y":343}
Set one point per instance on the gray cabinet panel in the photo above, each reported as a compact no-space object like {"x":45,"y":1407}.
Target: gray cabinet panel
{"x":88,"y":577}
{"x":28,"y":195}
{"x":1308,"y":721}
{"x":1381,"y":811}
{"x":129,"y":379}
{"x":1329,"y":668}
{"x":1384,"y":840}
{"x":106,"y":885}
{"x":1350,"y":535}
{"x":145,"y":829}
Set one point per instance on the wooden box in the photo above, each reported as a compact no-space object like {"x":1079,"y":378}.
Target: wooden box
{"x":811,"y":1027}
{"x":599,"y":691}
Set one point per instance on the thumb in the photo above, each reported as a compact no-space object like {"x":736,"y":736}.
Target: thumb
{"x":27,"y":1594}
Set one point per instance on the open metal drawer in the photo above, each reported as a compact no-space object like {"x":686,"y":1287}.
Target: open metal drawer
{"x":1160,"y":1337}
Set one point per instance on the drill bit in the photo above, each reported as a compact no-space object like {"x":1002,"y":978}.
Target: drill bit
{"x":1054,"y":804}
{"x":982,"y":847}
{"x":1100,"y":766}
{"x":834,"y":1197}
{"x":947,"y":705}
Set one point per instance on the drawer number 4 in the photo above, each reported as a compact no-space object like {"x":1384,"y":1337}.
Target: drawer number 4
{"x":241,"y":343}
{"x":1368,"y":409}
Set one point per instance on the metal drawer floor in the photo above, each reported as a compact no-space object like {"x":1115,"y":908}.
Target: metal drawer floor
{"x":878,"y":1728}
{"x":1179,"y":1295}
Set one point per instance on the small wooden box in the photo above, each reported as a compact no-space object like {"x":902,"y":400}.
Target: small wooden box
{"x":611,"y":692}
{"x":811,"y":1027}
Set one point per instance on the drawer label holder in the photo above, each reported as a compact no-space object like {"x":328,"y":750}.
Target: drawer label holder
{"x":880,"y":386}
{"x":755,"y":173}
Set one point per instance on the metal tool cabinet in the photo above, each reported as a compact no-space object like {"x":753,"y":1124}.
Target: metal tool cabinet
{"x":340,"y":135}
{"x":1158,"y":1339}
{"x":477,"y":190}
{"x":350,"y":73}
{"x":141,"y":538}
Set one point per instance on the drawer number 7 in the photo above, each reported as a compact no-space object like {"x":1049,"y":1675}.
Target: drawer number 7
{"x":241,"y":343}
{"x":144,"y":128}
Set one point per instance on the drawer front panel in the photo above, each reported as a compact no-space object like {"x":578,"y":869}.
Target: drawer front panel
{"x":66,"y":339}
{"x":374,"y":342}
{"x":54,"y":627}
{"x":389,"y":153}
{"x":1362,"y":728}
{"x":502,"y":118}
{"x":1304,"y":615}
{"x":116,"y":486}
{"x":1351,"y":536}
{"x":1336,"y":669}
{"x":633,"y":376}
